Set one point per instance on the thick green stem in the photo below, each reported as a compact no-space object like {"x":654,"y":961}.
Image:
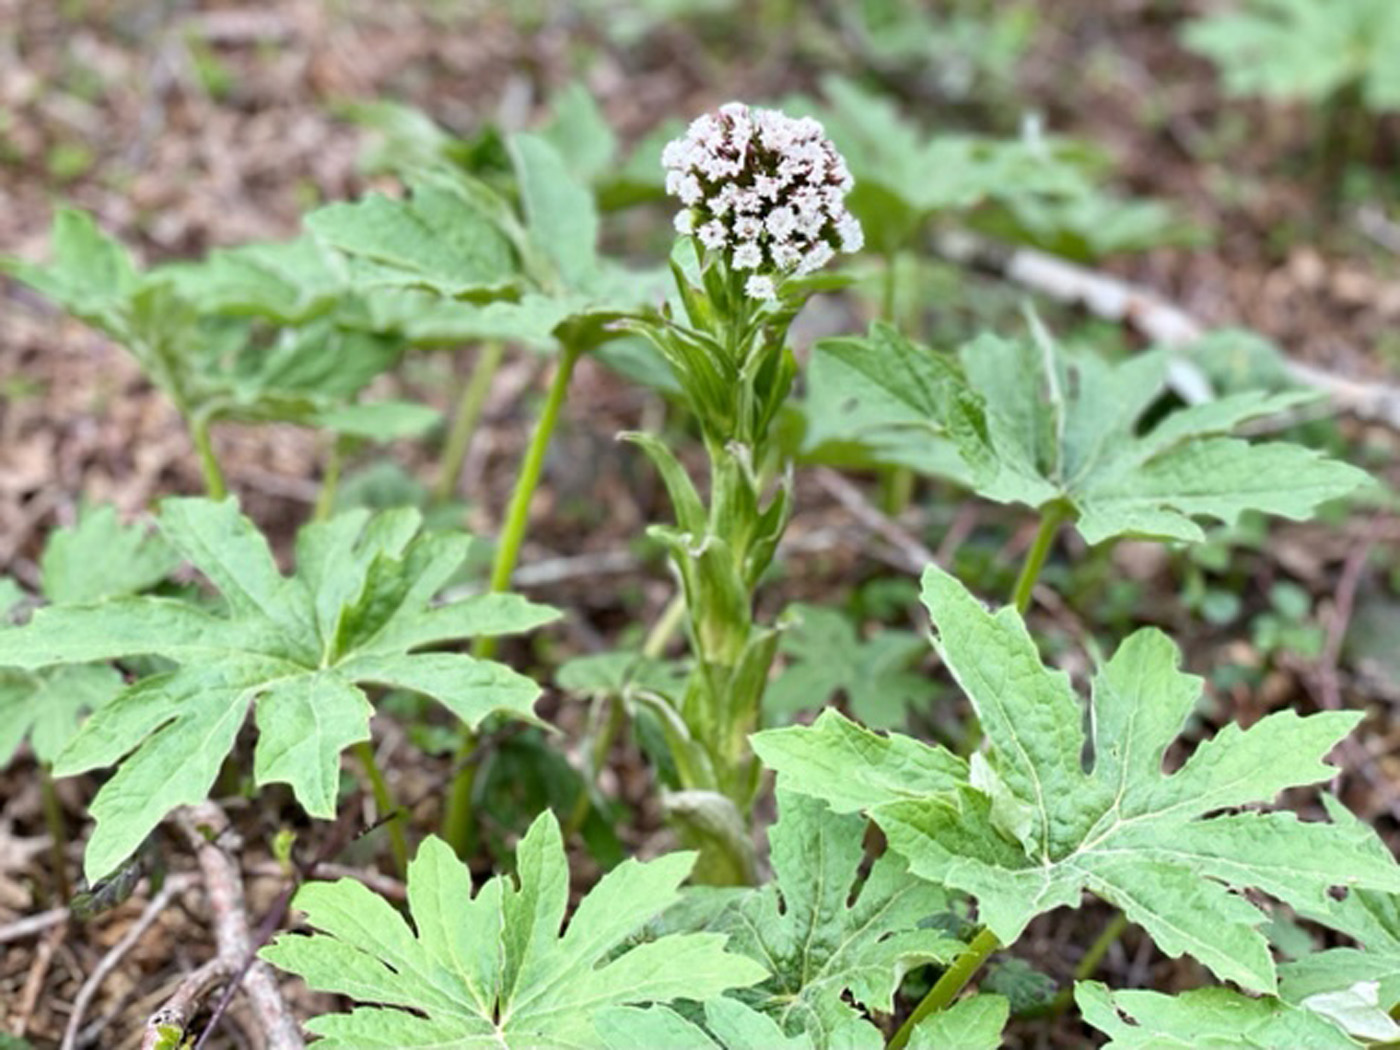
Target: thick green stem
{"x":214,"y":485}
{"x":58,"y":832}
{"x":330,"y":480}
{"x":384,"y":805}
{"x":457,"y":822}
{"x":468,"y":414}
{"x":953,"y":981}
{"x":1051,"y":519}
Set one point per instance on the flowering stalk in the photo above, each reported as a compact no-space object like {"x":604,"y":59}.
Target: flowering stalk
{"x":763,"y":198}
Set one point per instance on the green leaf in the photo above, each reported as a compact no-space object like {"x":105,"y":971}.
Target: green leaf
{"x":297,"y":648}
{"x":827,"y":936}
{"x":580,"y":134}
{"x":1208,"y":1017}
{"x":1036,"y":827}
{"x":559,"y":210}
{"x":910,"y":406}
{"x":1299,"y":50}
{"x":91,"y":274}
{"x":46,"y":706}
{"x":288,"y":282}
{"x":381,"y":420}
{"x":826,"y":657}
{"x":434,"y":240}
{"x":98,"y":557}
{"x":494,"y":969}
{"x":974,"y":1023}
{"x":1067,"y":429}
{"x":850,"y":768}
{"x":729,"y":1025}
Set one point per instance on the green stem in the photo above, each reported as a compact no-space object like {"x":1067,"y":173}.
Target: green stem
{"x":1090,"y":962}
{"x":1051,"y":519}
{"x":953,"y":981}
{"x":467,"y":416}
{"x":214,"y":485}
{"x":457,"y":822}
{"x":58,"y":831}
{"x":330,"y":480}
{"x":384,"y":804}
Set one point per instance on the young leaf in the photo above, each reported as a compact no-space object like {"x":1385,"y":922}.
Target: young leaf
{"x":494,"y":969}
{"x":1214,"y":1017}
{"x":46,"y":706}
{"x":827,"y":943}
{"x":300,"y":647}
{"x":827,"y":657}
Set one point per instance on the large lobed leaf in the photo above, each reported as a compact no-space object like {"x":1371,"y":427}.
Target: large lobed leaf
{"x":494,"y":969}
{"x":1045,"y":428}
{"x":1033,"y":827}
{"x":300,"y":648}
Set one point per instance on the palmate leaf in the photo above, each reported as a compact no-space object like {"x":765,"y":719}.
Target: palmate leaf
{"x":1217,"y":1018}
{"x":827,"y":657}
{"x":828,"y":937}
{"x":494,"y":969}
{"x":1034,"y":828}
{"x":1065,"y":431}
{"x":300,"y":647}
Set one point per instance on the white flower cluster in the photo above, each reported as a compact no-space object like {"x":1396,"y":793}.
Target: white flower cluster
{"x":767,"y":189}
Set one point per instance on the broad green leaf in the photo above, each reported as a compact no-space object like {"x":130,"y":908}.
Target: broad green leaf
{"x":435,"y":240}
{"x":287,"y":282}
{"x":580,"y":134}
{"x":98,"y":557}
{"x":46,"y":706}
{"x":729,"y":1025}
{"x":1036,"y":827}
{"x":974,"y":1023}
{"x":828,"y":937}
{"x":1217,"y":1018}
{"x":381,"y":420}
{"x":1302,"y":50}
{"x":1067,"y":429}
{"x":298,"y":649}
{"x":495,"y":969}
{"x":91,"y":274}
{"x":907,"y":403}
{"x":827,"y":657}
{"x":850,"y":768}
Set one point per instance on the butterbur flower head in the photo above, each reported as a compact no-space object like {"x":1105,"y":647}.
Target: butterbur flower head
{"x":764,"y":189}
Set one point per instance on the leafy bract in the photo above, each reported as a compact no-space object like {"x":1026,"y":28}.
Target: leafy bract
{"x":494,"y":969}
{"x":827,"y":657}
{"x":1034,"y":827}
{"x":1065,"y":430}
{"x":1303,"y":50}
{"x":826,"y":943}
{"x":1207,"y":1017}
{"x":356,"y":612}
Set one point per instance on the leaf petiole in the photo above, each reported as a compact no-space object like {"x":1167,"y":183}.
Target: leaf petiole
{"x":953,"y":981}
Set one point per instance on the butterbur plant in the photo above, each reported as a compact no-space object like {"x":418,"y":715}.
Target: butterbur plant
{"x":763,"y":208}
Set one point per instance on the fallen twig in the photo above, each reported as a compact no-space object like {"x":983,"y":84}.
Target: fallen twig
{"x":916,"y":555}
{"x":32,"y":924}
{"x":1160,"y":321}
{"x":223,"y":884}
{"x":174,"y":885}
{"x":184,"y":1001}
{"x":34,"y":982}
